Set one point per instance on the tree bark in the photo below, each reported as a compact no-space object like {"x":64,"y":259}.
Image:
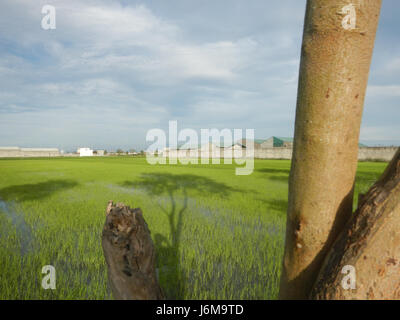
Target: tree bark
{"x":337,"y":47}
{"x":130,"y":255}
{"x":370,"y":244}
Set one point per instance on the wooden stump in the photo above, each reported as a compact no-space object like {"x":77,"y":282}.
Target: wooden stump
{"x":130,"y":254}
{"x":369,"y":244}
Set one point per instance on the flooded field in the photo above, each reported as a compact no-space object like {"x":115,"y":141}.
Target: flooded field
{"x":217,"y":235}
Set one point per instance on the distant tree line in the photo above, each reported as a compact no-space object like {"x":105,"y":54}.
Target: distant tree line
{"x":120,"y":151}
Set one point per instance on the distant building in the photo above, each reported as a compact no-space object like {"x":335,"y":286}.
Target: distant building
{"x":28,"y":152}
{"x":273,"y":142}
{"x":242,"y":144}
{"x":236,"y":146}
{"x":85,"y":152}
{"x":277,"y":142}
{"x":10,"y":152}
{"x":246,"y":143}
{"x":100,"y":152}
{"x":40,"y":152}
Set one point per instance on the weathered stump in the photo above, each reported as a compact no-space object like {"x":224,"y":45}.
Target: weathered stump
{"x":130,"y":254}
{"x":369,"y":244}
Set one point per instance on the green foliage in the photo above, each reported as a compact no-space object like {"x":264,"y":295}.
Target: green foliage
{"x":218,"y":236}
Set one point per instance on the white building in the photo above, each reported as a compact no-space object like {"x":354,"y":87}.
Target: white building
{"x":85,"y":152}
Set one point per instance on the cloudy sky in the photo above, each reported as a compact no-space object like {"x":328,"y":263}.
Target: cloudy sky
{"x":112,"y":70}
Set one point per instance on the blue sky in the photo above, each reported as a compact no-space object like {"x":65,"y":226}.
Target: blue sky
{"x":112,"y":70}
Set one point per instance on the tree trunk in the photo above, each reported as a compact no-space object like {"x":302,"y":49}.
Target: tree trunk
{"x":130,"y":255}
{"x":369,"y":247}
{"x":337,"y":47}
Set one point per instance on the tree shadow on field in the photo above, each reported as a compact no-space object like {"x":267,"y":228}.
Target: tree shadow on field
{"x":35,"y":191}
{"x":278,"y":205}
{"x":367,"y":179}
{"x":276,"y":175}
{"x":283,"y":179}
{"x":363,"y":182}
{"x":274,"y":171}
{"x":279,"y":175}
{"x":26,"y":192}
{"x":159,"y":184}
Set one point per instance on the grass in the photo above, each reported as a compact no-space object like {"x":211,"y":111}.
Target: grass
{"x":218,"y":236}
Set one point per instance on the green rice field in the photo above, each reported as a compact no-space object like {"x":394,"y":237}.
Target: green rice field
{"x":217,"y":235}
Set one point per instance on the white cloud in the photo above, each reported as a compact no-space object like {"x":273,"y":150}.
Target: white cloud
{"x":111,"y":71}
{"x":386,"y":132}
{"x":383,"y":91}
{"x":393,"y":65}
